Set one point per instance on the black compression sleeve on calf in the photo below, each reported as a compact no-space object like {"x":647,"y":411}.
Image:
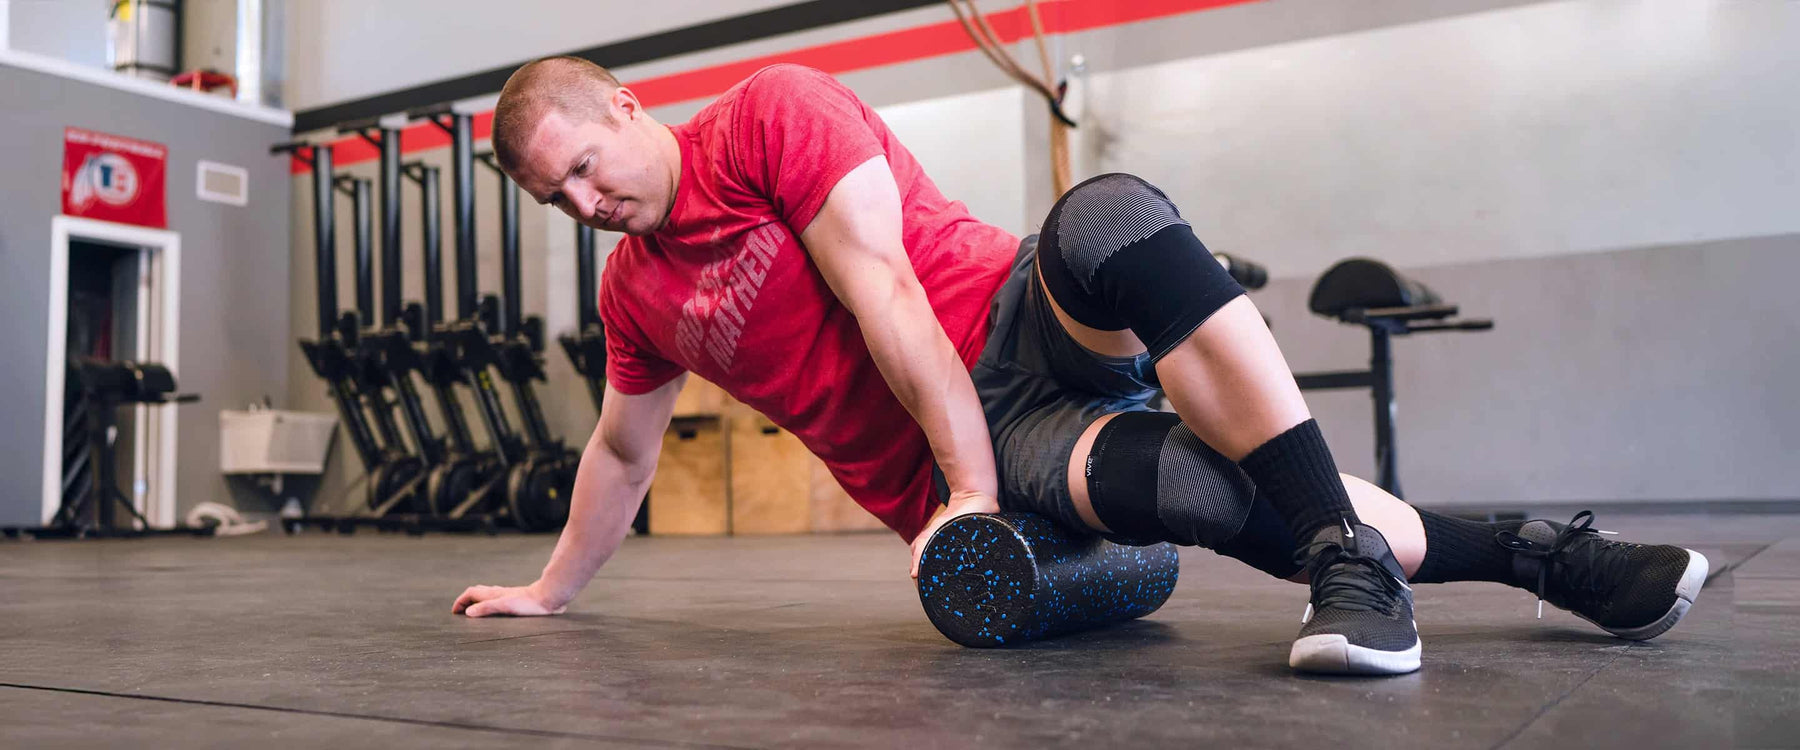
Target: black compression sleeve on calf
{"x":1294,"y":470}
{"x":1202,"y":496}
{"x":1462,"y":550}
{"x":1265,"y":542}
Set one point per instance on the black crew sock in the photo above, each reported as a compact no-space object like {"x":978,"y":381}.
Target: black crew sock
{"x":1295,"y":472}
{"x":1264,"y":541}
{"x":1461,"y":550}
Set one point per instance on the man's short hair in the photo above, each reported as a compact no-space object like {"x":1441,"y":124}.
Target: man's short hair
{"x":570,"y":86}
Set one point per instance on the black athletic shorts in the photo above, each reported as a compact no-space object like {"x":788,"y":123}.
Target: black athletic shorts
{"x":1040,"y":390}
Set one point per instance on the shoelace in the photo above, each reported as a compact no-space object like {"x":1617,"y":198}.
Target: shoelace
{"x":1349,"y":581}
{"x":1587,"y":583}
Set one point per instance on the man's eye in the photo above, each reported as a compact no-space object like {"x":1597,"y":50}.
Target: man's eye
{"x":582,"y":168}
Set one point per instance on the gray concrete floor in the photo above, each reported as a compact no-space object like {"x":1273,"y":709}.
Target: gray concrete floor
{"x":330,"y":641}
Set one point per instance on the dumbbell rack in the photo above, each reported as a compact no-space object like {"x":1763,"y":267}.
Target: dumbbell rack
{"x":1385,"y":323}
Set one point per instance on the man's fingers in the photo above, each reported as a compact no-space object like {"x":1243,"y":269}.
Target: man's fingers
{"x":470,"y":595}
{"x":462,"y":602}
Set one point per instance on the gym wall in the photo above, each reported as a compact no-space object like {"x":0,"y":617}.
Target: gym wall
{"x":1614,"y":182}
{"x":234,"y":271}
{"x":331,"y":42}
{"x":73,"y":30}
{"x":1608,"y":179}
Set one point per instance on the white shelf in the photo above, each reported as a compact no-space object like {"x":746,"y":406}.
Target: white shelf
{"x":156,"y":90}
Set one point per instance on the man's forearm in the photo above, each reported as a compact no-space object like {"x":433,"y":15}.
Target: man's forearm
{"x":606,"y":496}
{"x":929,"y":378}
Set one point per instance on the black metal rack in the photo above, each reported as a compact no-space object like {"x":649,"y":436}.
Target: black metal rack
{"x":1371,"y":294}
{"x":91,"y":497}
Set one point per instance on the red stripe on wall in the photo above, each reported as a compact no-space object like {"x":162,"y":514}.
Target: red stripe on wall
{"x":876,"y":50}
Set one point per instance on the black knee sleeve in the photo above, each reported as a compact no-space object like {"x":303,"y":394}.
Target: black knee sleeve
{"x":1115,"y":254}
{"x":1150,"y":477}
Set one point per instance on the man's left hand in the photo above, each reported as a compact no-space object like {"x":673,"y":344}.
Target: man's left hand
{"x":961,"y":504}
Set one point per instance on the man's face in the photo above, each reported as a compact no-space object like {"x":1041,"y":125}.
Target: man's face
{"x":605,"y":175}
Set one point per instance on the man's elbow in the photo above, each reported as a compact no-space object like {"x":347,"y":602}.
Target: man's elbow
{"x":887,"y":295}
{"x":634,"y":464}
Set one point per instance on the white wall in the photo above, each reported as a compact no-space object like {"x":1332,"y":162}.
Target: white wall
{"x":973,"y":147}
{"x":1529,"y":131}
{"x":339,"y":50}
{"x":72,"y":30}
{"x":1613,"y":181}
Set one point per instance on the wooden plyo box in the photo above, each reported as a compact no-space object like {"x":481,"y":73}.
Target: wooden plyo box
{"x":700,"y":398}
{"x":726,"y":469}
{"x":689,"y":494}
{"x":770,"y":477}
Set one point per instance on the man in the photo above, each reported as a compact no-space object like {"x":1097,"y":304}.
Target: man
{"x":784,"y":245}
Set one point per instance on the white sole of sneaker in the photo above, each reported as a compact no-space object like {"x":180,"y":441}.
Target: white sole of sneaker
{"x":1334,"y":654}
{"x":1685,"y":592}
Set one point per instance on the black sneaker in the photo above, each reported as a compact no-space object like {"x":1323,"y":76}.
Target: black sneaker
{"x":1635,"y":591}
{"x":1360,"y":619}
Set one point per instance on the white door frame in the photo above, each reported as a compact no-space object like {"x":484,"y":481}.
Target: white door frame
{"x":158,"y":340}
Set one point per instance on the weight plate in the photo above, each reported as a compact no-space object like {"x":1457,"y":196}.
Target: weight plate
{"x":540,"y":489}
{"x":377,"y":482}
{"x":451,"y":484}
{"x":394,"y":478}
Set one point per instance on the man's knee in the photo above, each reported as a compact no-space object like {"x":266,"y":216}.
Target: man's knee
{"x":1116,"y":254}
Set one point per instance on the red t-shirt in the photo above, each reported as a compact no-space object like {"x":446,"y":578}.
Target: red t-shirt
{"x":726,"y":291}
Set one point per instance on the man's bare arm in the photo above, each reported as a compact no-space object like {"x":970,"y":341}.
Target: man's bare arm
{"x":856,"y":243}
{"x":616,"y":468}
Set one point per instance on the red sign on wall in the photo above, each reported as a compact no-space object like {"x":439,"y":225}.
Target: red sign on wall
{"x":114,"y":178}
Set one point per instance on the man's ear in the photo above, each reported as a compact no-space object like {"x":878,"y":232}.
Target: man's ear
{"x":626,"y":102}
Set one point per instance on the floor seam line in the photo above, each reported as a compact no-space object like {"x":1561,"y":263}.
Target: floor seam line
{"x":1559,"y":700}
{"x":364,"y":717}
{"x":517,"y":637}
{"x":1728,"y":567}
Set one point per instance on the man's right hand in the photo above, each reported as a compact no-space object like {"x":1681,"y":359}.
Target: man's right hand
{"x":517,"y":601}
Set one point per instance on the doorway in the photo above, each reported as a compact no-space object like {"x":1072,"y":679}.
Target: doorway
{"x":114,"y":294}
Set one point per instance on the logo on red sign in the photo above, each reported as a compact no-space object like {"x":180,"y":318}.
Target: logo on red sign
{"x":114,"y":178}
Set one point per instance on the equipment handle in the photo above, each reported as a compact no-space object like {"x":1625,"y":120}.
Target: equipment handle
{"x":1415,"y":312}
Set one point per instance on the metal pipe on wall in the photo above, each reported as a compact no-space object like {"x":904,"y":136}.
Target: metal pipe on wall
{"x":431,"y":211}
{"x":247,"y":67}
{"x":365,"y":269}
{"x":462,"y":183}
{"x":390,"y":227}
{"x":585,"y":286}
{"x":509,"y":256}
{"x":325,"y":238}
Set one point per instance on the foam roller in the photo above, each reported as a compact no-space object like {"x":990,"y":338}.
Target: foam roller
{"x":1008,"y":578}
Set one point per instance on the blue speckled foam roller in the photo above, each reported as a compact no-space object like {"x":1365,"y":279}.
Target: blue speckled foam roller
{"x":1007,"y":578}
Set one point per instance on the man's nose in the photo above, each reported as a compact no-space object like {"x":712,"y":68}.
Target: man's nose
{"x":584,"y":200}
